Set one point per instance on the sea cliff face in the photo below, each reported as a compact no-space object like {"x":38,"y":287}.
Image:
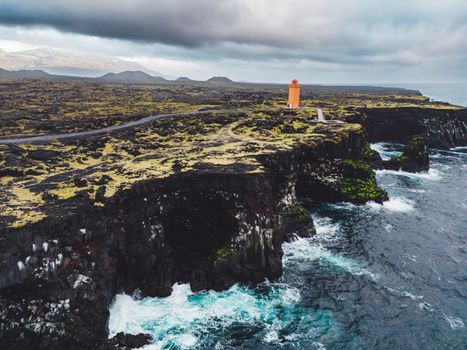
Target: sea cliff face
{"x":206,"y":200}
{"x":211,"y":226}
{"x":443,"y":128}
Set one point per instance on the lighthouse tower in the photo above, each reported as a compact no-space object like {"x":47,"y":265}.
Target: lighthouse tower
{"x":294,"y":94}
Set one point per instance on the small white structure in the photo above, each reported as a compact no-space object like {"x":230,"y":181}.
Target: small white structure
{"x":320,"y":114}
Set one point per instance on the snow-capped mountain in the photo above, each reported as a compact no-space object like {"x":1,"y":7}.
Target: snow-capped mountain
{"x":68,"y":63}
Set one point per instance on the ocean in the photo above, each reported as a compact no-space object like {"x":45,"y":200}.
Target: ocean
{"x":391,"y":276}
{"x":454,"y":93}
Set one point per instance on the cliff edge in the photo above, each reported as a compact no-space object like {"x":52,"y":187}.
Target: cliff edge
{"x":206,"y":199}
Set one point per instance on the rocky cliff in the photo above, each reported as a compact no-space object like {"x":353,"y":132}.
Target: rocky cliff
{"x":213,"y":222}
{"x":442,"y":127}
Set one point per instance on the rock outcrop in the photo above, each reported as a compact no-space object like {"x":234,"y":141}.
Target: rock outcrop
{"x":414,"y":157}
{"x":209,"y":228}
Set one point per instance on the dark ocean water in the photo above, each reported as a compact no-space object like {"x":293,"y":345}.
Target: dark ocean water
{"x":374,"y":277}
{"x":391,"y":276}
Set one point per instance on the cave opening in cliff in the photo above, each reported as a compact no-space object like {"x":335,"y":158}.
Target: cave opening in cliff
{"x":197,"y":227}
{"x":310,"y":189}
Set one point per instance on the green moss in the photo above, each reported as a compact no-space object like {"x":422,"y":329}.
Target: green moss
{"x":367,"y":152}
{"x":222,"y":252}
{"x":357,"y":169}
{"x":359,"y":184}
{"x":362,"y":190}
{"x":297,"y":212}
{"x":415,"y":147}
{"x":413,"y":150}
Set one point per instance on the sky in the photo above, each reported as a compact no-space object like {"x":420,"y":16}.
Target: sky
{"x":315,"y":41}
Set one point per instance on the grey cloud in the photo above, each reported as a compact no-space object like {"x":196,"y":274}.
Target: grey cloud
{"x":350,"y":33}
{"x":182,"y":22}
{"x":300,"y":24}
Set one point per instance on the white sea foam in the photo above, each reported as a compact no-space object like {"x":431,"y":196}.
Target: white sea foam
{"x":319,"y":346}
{"x":395,"y":204}
{"x":454,"y":322}
{"x":384,"y":152}
{"x":325,"y":228}
{"x":426,"y":306}
{"x":415,"y":190}
{"x":344,"y":206}
{"x":271,"y":337}
{"x":181,"y":319}
{"x":304,"y":249}
{"x":412,"y":296}
{"x":313,"y":249}
{"x":432,"y":174}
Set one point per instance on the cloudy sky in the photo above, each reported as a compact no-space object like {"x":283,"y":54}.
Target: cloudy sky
{"x":317,"y":41}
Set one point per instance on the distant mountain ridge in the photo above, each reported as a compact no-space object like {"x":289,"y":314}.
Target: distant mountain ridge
{"x":220,"y":80}
{"x":182,"y":79}
{"x":126,"y":77}
{"x":135,"y":77}
{"x":25,"y":74}
{"x":68,"y":63}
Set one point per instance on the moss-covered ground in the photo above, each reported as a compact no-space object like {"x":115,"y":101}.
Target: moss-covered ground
{"x":34,"y":176}
{"x":31,"y":107}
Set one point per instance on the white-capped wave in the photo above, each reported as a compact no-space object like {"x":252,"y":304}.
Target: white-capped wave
{"x":384,"y":151}
{"x":454,"y":322}
{"x":413,"y":190}
{"x":394,"y":204}
{"x":426,"y":306}
{"x":325,"y":228}
{"x":412,"y":296}
{"x":432,"y":174}
{"x":305,"y":249}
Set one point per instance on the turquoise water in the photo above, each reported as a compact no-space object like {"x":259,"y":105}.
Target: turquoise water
{"x":374,"y":277}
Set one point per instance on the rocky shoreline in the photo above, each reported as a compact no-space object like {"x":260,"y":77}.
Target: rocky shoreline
{"x":208,"y":223}
{"x":209,"y":229}
{"x":442,"y":129}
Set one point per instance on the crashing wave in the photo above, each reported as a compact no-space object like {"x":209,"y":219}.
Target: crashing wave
{"x":185,"y":319}
{"x":306,"y":250}
{"x":385,"y":151}
{"x":395,"y":204}
{"x":432,"y":174}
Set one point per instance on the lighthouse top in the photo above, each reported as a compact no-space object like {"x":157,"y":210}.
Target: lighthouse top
{"x":295,"y":81}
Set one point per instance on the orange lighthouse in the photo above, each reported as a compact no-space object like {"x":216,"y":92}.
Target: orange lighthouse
{"x":294,"y":94}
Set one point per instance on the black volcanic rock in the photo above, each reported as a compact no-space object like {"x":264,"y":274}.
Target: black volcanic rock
{"x":414,"y":157}
{"x":442,"y":128}
{"x":43,"y":155}
{"x":210,"y":227}
{"x":124,"y":341}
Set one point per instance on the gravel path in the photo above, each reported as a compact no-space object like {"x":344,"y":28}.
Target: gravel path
{"x":53,"y":137}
